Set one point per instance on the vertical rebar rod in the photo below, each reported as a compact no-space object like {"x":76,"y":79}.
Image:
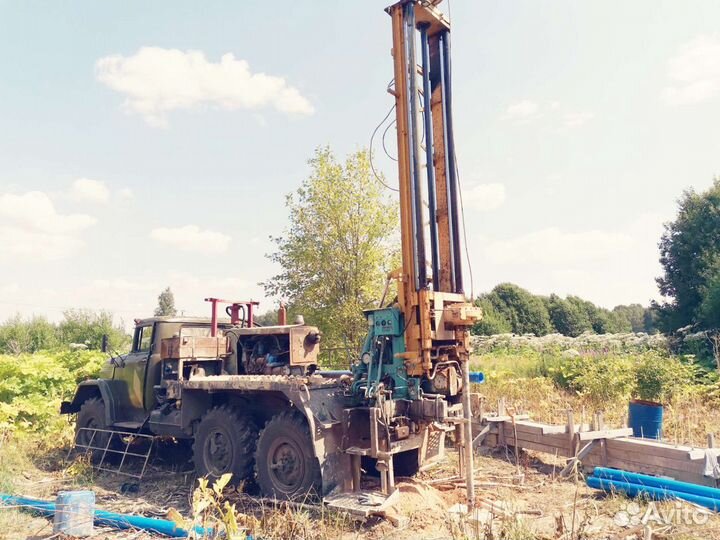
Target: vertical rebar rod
{"x":429,"y":154}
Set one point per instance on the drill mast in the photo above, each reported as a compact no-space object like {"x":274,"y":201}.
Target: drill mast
{"x":436,"y":313}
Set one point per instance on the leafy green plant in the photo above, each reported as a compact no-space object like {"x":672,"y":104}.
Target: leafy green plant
{"x":566,"y":369}
{"x":214,"y":513}
{"x":32,"y":386}
{"x":606,"y":380}
{"x":662,"y":379}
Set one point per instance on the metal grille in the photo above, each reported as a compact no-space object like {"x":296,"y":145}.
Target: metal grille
{"x":134,"y":449}
{"x":435,"y":445}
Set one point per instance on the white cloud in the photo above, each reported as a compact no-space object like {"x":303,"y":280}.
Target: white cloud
{"x":484,"y":197}
{"x":523,"y":111}
{"x":555,"y":246}
{"x":87,"y":190}
{"x":156,"y":81}
{"x":192,"y":238}
{"x":31,"y":227}
{"x":16,"y":242}
{"x":577,"y":119}
{"x":609,"y":267}
{"x":34,"y":211}
{"x":694,"y":71}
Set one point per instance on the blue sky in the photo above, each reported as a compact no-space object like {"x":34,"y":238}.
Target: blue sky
{"x":141,"y":148}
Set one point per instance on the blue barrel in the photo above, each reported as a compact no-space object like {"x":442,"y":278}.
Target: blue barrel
{"x":74,"y":513}
{"x":646,"y":418}
{"x":477,"y":377}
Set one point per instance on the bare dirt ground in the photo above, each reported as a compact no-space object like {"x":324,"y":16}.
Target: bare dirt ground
{"x":519,"y":498}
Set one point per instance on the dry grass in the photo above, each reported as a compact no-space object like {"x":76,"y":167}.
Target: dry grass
{"x":516,"y":377}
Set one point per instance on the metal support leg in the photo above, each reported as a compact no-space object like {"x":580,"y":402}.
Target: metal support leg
{"x":467,"y":442}
{"x":355,"y":465}
{"x":382,"y":468}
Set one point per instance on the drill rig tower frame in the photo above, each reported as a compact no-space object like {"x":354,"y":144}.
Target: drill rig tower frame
{"x":419,"y":347}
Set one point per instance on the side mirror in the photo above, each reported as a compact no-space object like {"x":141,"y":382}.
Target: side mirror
{"x":104,"y":344}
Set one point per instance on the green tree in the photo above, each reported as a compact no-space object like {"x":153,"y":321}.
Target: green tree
{"x":650,"y":319}
{"x":708,"y":313}
{"x":634,"y":314}
{"x":526,"y":313}
{"x":88,"y":327}
{"x":568,"y":318}
{"x":492,"y":322}
{"x":18,"y":335}
{"x":689,"y":249}
{"x":602,"y":321}
{"x":336,"y":252}
{"x":267,"y":318}
{"x":166,"y":304}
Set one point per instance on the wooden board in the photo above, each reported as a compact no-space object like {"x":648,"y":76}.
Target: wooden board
{"x":656,"y":448}
{"x":605,"y":434}
{"x":621,"y":451}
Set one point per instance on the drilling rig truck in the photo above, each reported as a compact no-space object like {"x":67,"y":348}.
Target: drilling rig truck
{"x":254,"y":401}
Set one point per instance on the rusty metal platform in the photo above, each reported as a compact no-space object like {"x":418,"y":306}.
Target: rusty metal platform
{"x":363,"y":504}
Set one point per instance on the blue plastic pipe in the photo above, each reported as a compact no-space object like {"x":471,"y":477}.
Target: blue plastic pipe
{"x":477,"y":377}
{"x":658,"y":494}
{"x":108,"y":519}
{"x":654,"y":481}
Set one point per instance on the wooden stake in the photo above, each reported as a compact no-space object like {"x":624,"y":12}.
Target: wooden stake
{"x":570,"y":425}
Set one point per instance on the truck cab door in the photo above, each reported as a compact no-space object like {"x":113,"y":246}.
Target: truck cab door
{"x":130,"y":375}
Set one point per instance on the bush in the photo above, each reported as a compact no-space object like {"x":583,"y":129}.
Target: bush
{"x":32,"y":386}
{"x":606,"y":380}
{"x":19,"y":336}
{"x":650,"y":376}
{"x":88,"y":328}
{"x":663,"y":379}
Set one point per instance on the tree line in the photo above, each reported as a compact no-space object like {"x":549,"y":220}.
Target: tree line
{"x":81,"y":327}
{"x":509,"y":308}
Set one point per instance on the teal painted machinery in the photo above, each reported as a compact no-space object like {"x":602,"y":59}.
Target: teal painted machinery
{"x":380,"y":370}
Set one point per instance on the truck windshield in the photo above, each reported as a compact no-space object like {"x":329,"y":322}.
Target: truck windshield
{"x":144,"y":339}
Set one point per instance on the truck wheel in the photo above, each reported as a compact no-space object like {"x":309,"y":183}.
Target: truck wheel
{"x":285,"y":463}
{"x":91,"y":416}
{"x":225,"y":443}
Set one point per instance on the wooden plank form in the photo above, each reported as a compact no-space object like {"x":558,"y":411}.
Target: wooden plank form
{"x":599,"y":447}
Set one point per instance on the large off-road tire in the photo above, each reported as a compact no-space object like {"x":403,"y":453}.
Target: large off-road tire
{"x":225,"y":443}
{"x":91,"y":416}
{"x":285,"y":463}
